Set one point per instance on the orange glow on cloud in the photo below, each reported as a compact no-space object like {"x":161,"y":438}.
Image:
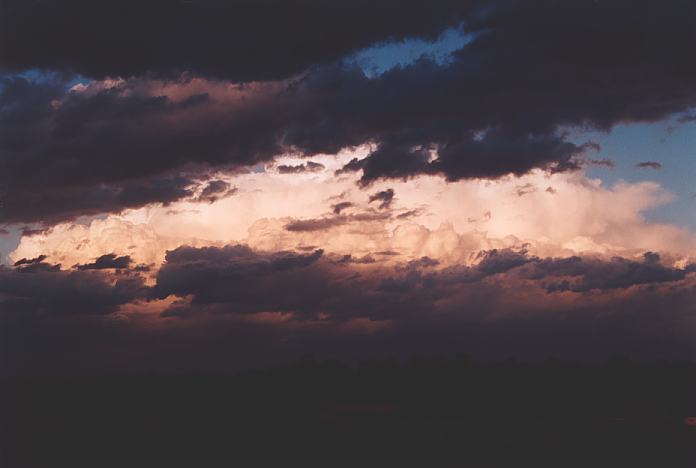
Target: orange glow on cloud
{"x":549,"y":215}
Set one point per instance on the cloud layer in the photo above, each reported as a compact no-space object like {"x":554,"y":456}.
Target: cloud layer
{"x":239,"y":40}
{"x":289,"y":302}
{"x":502,"y":104}
{"x":234,"y":283}
{"x":227,"y":181}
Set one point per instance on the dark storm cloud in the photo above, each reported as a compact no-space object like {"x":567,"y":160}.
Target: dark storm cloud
{"x":53,"y":204}
{"x":423,"y":262}
{"x":230,"y":298}
{"x":338,"y":207}
{"x":648,"y":325}
{"x":316,"y":224}
{"x":33,"y":265}
{"x":500,"y":106}
{"x":490,"y":263}
{"x":27,"y":231}
{"x":577,"y":274}
{"x":309,"y":166}
{"x":30,"y":261}
{"x":107,"y":261}
{"x":329,"y":222}
{"x":37,"y":287}
{"x":495,"y":308}
{"x":82,"y":158}
{"x":240,"y":40}
{"x":385,"y":198}
{"x":238,"y":279}
{"x":365,"y":259}
{"x":649,"y":165}
{"x":499,"y":261}
{"x":214,"y":190}
{"x":593,"y":274}
{"x":409,"y":213}
{"x":534,"y":68}
{"x":92,"y":153}
{"x":236,"y":275}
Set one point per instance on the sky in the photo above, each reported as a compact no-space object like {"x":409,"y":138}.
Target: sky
{"x":205,"y":186}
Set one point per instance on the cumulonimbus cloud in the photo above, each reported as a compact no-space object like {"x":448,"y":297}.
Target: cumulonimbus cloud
{"x":276,"y":201}
{"x":276,"y":211}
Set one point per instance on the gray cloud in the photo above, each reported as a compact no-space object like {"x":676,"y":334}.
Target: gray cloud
{"x":649,"y":165}
{"x":309,"y":166}
{"x":385,"y":198}
{"x":208,"y":37}
{"x":509,"y":303}
{"x":215,"y":190}
{"x":35,"y":287}
{"x":338,"y":207}
{"x":486,"y":113}
{"x":107,"y":261}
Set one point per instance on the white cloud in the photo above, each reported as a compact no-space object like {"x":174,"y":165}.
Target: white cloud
{"x":560,"y":214}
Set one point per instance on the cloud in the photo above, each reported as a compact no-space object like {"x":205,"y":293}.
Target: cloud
{"x":525,"y":189}
{"x":33,"y":265}
{"x":361,"y":260}
{"x":121,"y":157}
{"x":215,"y":190}
{"x":449,"y":222}
{"x":588,"y":274}
{"x":238,"y":279}
{"x":107,"y":261}
{"x":604,"y":162}
{"x":235,"y":275}
{"x":319,"y":224}
{"x":170,"y":38}
{"x":27,"y":231}
{"x":338,"y":207}
{"x":272,"y":305}
{"x":649,"y":165}
{"x":35,"y":287}
{"x":309,"y":166}
{"x":72,"y":244}
{"x":482,"y":114}
{"x":385,"y":198}
{"x":30,"y":261}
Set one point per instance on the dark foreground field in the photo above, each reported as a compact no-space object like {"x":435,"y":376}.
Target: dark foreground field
{"x":427,"y":413}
